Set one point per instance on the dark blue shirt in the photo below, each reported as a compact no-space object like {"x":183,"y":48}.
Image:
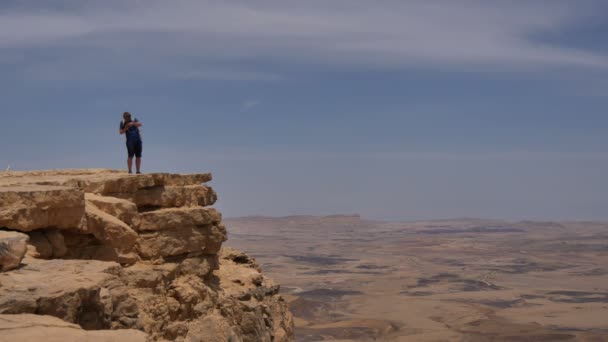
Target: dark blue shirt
{"x":132,"y":132}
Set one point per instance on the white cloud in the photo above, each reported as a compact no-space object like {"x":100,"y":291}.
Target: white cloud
{"x":339,"y":33}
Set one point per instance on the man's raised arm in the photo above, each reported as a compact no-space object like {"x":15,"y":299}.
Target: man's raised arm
{"x":123,"y":128}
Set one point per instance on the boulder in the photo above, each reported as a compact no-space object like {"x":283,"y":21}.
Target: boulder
{"x":30,"y":207}
{"x":173,"y":218}
{"x":13,"y":246}
{"x":28,"y":327}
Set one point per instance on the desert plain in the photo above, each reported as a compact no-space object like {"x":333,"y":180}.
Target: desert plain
{"x":351,"y":279}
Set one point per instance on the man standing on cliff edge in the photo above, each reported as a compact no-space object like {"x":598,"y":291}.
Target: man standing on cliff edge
{"x":130,"y":128}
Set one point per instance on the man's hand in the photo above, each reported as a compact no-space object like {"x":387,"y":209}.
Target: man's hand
{"x":125,"y":128}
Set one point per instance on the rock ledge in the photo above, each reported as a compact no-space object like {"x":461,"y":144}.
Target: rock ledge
{"x":103,"y":255}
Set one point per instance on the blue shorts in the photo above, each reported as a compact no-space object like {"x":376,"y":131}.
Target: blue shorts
{"x":134,"y":148}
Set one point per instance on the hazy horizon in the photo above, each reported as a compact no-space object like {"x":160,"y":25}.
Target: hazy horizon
{"x":393,"y":110}
{"x":430,"y":219}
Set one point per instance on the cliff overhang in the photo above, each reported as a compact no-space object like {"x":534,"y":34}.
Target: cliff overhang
{"x":111,"y":251}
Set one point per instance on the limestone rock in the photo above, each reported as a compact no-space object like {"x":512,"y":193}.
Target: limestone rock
{"x":240,"y":278}
{"x":217,"y":236}
{"x":137,"y":252}
{"x":101,"y":181}
{"x":195,"y":297}
{"x":205,"y":239}
{"x":28,"y":327}
{"x":109,"y":229}
{"x":172,"y":196}
{"x":68,"y":289}
{"x":29,"y":207}
{"x":201,"y":266}
{"x":171,"y":179}
{"x":13,"y":246}
{"x":114,"y":184}
{"x":168,"y":301}
{"x":283,"y":323}
{"x":239,"y":257}
{"x":122,"y":183}
{"x":174,"y":218}
{"x":213,"y":328}
{"x":143,"y":275}
{"x":122,"y":209}
{"x":103,"y":253}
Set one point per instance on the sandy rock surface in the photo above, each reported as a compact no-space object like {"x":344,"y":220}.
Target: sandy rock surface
{"x":139,"y":253}
{"x":174,"y":218}
{"x":29,"y":327}
{"x":124,"y":210}
{"x":30,"y":207}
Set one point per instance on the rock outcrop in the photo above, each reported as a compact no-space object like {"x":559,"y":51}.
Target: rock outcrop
{"x":117,"y":257}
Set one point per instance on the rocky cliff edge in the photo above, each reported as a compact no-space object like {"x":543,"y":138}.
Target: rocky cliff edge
{"x":101,"y":255}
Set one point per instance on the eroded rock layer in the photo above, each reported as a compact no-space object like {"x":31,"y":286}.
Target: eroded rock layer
{"x":107,"y":251}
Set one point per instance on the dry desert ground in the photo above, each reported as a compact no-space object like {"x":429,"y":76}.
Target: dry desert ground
{"x":348,"y":279}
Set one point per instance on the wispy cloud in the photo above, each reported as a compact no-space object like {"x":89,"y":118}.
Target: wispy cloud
{"x":249,"y":104}
{"x":340,"y":33}
{"x":224,"y":74}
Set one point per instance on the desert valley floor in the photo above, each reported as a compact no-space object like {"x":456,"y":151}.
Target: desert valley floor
{"x":348,"y":279}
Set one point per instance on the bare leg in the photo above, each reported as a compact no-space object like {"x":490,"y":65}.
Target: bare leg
{"x":138,"y":164}
{"x":130,"y":164}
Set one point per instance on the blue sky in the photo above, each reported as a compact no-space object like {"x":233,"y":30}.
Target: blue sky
{"x":391,"y":109}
